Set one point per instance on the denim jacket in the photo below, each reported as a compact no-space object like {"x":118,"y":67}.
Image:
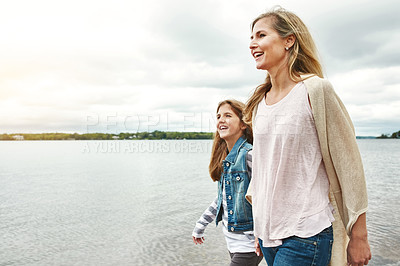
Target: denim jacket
{"x":236,"y":180}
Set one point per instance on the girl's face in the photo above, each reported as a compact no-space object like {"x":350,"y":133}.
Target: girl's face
{"x":229,"y":126}
{"x":266,"y":46}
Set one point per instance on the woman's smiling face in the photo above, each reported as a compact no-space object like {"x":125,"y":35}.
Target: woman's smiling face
{"x":266,"y":46}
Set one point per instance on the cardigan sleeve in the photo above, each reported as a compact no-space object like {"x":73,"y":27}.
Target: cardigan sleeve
{"x":340,"y":152}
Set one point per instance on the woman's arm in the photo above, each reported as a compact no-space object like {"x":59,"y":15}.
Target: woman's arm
{"x":358,"y":250}
{"x":343,"y":164}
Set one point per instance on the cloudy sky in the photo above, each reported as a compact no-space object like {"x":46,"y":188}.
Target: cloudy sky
{"x":126,"y":66}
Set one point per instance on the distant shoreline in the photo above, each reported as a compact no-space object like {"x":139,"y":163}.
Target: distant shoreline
{"x":155,"y":135}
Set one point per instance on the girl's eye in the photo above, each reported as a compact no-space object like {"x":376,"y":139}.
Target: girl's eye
{"x":262,"y":35}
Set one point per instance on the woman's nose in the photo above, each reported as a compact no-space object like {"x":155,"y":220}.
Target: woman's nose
{"x":253,"y":45}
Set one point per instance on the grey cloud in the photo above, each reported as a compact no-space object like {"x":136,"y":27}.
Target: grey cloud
{"x":191,"y":26}
{"x":201,"y":40}
{"x":356,"y":36}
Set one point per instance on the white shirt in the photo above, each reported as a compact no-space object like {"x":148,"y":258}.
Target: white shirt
{"x":290,"y":186}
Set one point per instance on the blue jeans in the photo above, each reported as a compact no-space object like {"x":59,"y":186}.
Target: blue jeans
{"x":315,"y":250}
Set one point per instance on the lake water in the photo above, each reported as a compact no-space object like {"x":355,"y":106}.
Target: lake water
{"x":136,"y":202}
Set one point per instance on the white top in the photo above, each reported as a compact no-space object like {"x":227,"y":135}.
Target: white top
{"x":290,"y":186}
{"x":236,"y":242}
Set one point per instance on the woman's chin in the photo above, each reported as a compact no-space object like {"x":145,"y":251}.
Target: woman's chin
{"x":260,"y":67}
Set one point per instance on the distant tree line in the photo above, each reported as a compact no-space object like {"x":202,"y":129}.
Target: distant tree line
{"x":395,"y":135}
{"x":132,"y":136}
{"x":106,"y":136}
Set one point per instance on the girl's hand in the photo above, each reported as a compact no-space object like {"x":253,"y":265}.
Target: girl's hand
{"x":257,"y":246}
{"x":198,"y":240}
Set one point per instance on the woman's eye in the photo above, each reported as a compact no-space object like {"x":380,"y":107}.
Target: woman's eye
{"x":262,"y":35}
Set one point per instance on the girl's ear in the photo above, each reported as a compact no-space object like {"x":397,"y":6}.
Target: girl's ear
{"x":243,"y":126}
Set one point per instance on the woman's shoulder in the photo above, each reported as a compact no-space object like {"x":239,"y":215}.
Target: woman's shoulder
{"x":316,"y":81}
{"x":315,"y":84}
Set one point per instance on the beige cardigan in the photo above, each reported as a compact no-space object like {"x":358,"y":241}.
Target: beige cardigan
{"x":342,"y":159}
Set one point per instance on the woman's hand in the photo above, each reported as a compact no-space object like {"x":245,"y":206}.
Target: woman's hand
{"x":358,"y":250}
{"x":198,"y":240}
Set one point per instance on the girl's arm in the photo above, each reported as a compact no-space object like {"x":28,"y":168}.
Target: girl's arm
{"x":207,"y":217}
{"x":249,"y":163}
{"x":249,"y":160}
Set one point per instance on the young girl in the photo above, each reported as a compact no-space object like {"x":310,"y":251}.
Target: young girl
{"x":230,"y":165}
{"x":305,"y":154}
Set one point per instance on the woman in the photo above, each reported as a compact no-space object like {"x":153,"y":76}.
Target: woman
{"x":305,"y":156}
{"x":230,"y":165}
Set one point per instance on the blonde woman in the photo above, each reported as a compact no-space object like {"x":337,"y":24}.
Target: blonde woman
{"x":230,"y":165}
{"x":305,"y":156}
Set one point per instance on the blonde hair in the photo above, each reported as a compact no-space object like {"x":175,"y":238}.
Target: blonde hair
{"x":220,"y":148}
{"x":303,"y":55}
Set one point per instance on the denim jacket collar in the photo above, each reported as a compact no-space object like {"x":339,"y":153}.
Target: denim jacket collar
{"x":234,"y":152}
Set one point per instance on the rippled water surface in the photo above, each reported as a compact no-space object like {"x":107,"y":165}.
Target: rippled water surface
{"x":136,"y":202}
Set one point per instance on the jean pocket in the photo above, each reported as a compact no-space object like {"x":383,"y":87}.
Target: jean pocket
{"x":309,"y":240}
{"x":328,"y":259}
